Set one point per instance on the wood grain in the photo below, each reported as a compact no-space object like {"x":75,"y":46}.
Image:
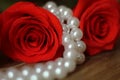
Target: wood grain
{"x":104,"y":66}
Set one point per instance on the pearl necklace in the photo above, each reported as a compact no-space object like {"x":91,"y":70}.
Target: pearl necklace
{"x":59,"y":68}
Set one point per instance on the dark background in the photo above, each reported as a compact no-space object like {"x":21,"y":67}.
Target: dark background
{"x":69,"y":3}
{"x":6,"y":3}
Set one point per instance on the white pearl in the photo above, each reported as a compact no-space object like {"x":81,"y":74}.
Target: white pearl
{"x":33,"y":77}
{"x":69,"y":65}
{"x":71,"y":45}
{"x":50,"y":65}
{"x":61,"y":8}
{"x":60,"y":72}
{"x":26,"y":70}
{"x":47,"y":75}
{"x":11,"y":73}
{"x":39,"y":68}
{"x":73,"y":21}
{"x":66,"y":38}
{"x":49,"y":5}
{"x":54,"y":11}
{"x":70,"y":54}
{"x":76,"y":34}
{"x":59,"y":62}
{"x":81,"y":46}
{"x":80,"y":58}
{"x":67,"y":13}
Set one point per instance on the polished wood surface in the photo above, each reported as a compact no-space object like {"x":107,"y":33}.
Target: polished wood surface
{"x":104,"y":66}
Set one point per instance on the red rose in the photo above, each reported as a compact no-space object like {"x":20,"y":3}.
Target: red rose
{"x":99,"y":23}
{"x":30,"y":33}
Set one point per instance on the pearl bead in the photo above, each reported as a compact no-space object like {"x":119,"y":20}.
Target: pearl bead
{"x":70,"y":54}
{"x":26,"y":71}
{"x":66,"y":38}
{"x":76,"y":34}
{"x":47,"y":75}
{"x":54,"y":11}
{"x":67,"y":13}
{"x":69,"y":65}
{"x":60,"y":72}
{"x":59,"y":61}
{"x":49,"y":5}
{"x":61,"y":8}
{"x":80,"y":58}
{"x":39,"y":68}
{"x":71,"y":45}
{"x":11,"y":73}
{"x":73,"y":21}
{"x":33,"y":76}
{"x":50,"y":65}
{"x":81,"y":46}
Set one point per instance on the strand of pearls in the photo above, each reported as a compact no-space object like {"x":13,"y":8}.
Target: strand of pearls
{"x":59,"y":68}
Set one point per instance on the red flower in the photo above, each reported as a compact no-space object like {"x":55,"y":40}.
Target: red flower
{"x":30,"y":33}
{"x":99,"y":23}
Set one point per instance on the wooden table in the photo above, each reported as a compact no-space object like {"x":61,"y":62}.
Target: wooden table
{"x":105,"y":66}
